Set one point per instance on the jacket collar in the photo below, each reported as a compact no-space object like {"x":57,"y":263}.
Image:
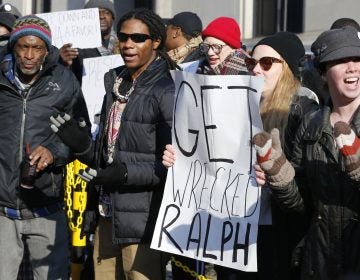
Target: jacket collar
{"x":320,"y":122}
{"x":155,"y":69}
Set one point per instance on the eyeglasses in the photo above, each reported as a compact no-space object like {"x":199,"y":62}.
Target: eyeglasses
{"x":135,"y":37}
{"x":265,"y":62}
{"x":204,"y":48}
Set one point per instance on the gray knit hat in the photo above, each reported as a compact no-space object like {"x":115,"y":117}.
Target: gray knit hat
{"x":103,"y":4}
{"x":7,"y":20}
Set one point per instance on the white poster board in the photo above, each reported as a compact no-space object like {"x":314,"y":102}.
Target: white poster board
{"x":93,"y":83}
{"x":191,"y":66}
{"x":79,"y":27}
{"x":211,"y":201}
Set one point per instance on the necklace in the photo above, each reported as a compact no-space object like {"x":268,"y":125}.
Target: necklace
{"x":120,"y":97}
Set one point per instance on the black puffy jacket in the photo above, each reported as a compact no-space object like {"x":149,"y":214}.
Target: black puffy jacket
{"x":322,"y":187}
{"x":25,"y":120}
{"x":145,"y":130}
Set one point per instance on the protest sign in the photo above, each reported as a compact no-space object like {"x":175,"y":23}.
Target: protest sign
{"x":79,"y":27}
{"x":211,"y":201}
{"x":93,"y":83}
{"x":191,"y":66}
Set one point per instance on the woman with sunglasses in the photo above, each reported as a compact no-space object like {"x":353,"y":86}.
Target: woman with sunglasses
{"x":277,"y":59}
{"x":323,"y":178}
{"x":284,"y":102}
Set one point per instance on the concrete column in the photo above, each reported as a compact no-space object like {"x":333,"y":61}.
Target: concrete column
{"x":163,"y":8}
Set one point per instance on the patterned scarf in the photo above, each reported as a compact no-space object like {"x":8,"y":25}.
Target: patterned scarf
{"x":234,"y":64}
{"x":180,"y":53}
{"x":122,"y":84}
{"x":112,"y":43}
{"x":112,"y":128}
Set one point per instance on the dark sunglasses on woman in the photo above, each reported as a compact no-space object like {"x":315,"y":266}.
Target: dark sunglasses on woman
{"x":265,"y":62}
{"x":135,"y":37}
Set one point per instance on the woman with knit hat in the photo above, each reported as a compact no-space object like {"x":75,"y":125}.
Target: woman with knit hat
{"x":224,"y":56}
{"x":277,"y":59}
{"x":323,"y":178}
{"x":284,"y":102}
{"x":222,"y":47}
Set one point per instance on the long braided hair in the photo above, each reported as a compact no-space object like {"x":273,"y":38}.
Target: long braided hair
{"x":156,"y":28}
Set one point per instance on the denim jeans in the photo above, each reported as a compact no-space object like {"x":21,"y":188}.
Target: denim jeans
{"x":48,"y":243}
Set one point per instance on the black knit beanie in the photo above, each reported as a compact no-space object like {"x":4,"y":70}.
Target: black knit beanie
{"x":7,"y":20}
{"x":289,"y":46}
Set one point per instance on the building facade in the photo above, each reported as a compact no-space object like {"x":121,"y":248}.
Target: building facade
{"x":256,"y":17}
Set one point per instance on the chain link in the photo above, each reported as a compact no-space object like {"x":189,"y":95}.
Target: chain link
{"x":186,"y":269}
{"x":71,"y":183}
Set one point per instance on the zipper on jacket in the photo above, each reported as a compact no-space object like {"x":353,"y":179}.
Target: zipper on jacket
{"x":22,"y":132}
{"x":22,"y":129}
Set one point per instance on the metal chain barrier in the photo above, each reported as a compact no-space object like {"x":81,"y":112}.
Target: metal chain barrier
{"x":186,"y":269}
{"x":75,"y":194}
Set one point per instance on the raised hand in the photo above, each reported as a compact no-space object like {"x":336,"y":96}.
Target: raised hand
{"x":349,"y":146}
{"x":270,"y":157}
{"x":74,"y":134}
{"x":68,"y":54}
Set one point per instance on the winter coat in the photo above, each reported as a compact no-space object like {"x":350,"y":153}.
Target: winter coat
{"x":144,"y":131}
{"x":25,"y":120}
{"x":323,"y":189}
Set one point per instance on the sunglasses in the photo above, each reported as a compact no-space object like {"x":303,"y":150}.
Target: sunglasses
{"x":265,"y":62}
{"x":135,"y":37}
{"x":204,"y":48}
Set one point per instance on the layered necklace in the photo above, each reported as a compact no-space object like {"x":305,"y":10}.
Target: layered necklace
{"x":122,"y":98}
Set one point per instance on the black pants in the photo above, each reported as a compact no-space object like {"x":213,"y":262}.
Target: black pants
{"x":265,"y":255}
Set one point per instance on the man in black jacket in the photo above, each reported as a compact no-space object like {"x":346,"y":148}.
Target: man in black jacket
{"x":33,"y":86}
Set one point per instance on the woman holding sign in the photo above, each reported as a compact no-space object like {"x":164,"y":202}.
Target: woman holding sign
{"x":222,"y":47}
{"x":224,"y":56}
{"x":277,"y":59}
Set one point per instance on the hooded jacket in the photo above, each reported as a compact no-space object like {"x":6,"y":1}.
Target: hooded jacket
{"x":25,"y":121}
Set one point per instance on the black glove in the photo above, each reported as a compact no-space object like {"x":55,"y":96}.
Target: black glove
{"x":73,"y":134}
{"x":110,"y":177}
{"x":90,"y":219}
